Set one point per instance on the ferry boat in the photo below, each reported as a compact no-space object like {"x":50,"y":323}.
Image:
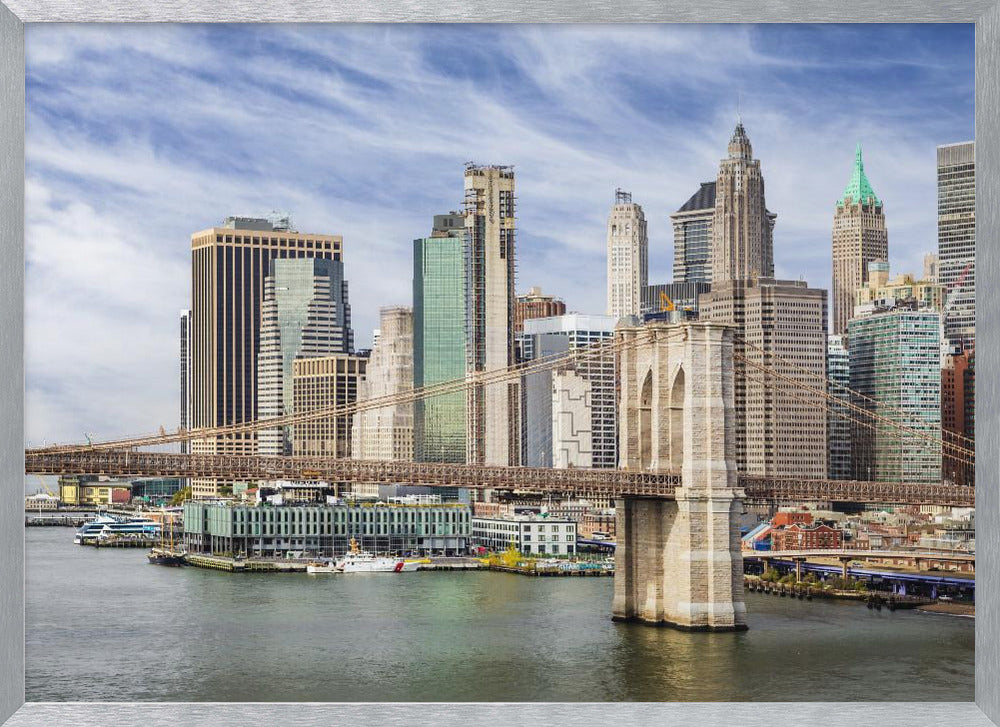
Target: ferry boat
{"x":105,"y":526}
{"x":359,"y":561}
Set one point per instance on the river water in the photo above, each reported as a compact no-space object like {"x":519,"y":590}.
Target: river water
{"x":102,"y":624}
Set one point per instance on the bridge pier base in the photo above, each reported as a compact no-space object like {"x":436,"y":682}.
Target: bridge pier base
{"x":678,"y":563}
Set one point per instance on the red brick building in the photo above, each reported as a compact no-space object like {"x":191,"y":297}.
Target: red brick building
{"x":957,"y":411}
{"x":535,"y":304}
{"x":784,"y":519}
{"x":799,"y":537}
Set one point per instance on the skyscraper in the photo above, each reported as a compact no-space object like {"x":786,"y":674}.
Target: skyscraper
{"x":489,"y":288}
{"x":185,"y":376}
{"x":956,"y":390}
{"x":325,"y":383}
{"x":571,"y":332}
{"x":859,"y":238}
{"x":229,"y":265}
{"x":387,"y":433}
{"x":439,"y":340}
{"x":628,"y":256}
{"x":305,"y":314}
{"x":956,"y":170}
{"x":895,"y":356}
{"x":692,"y":225}
{"x":780,"y":324}
{"x":930,"y":267}
{"x":838,"y":427}
{"x":742,"y":228}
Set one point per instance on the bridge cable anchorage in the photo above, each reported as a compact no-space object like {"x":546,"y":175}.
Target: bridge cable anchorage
{"x":831,"y":408}
{"x":847,"y":389}
{"x":840,"y":402}
{"x":478,"y":379}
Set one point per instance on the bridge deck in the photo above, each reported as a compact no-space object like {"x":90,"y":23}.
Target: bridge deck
{"x":606,"y":482}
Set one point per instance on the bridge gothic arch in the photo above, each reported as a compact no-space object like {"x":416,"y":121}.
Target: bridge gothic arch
{"x":678,"y":562}
{"x":678,"y":396}
{"x":646,"y":423}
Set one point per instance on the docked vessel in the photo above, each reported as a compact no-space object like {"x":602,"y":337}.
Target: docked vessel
{"x":359,"y":561}
{"x":322,"y":567}
{"x":166,"y":553}
{"x":104,"y":527}
{"x":163,"y":556}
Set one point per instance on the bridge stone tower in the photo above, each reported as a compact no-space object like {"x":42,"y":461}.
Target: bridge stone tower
{"x":678,"y":562}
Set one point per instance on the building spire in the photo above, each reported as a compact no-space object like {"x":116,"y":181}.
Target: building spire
{"x":739,"y":144}
{"x":859,"y":189}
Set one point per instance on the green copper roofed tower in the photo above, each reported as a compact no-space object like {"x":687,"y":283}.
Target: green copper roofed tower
{"x":859,"y":189}
{"x":859,"y":237}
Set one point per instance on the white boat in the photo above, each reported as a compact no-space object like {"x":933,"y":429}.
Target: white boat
{"x":322,"y":567}
{"x":104,"y":527}
{"x":359,"y":561}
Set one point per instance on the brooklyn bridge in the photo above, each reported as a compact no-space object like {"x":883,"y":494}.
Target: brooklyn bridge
{"x":677,"y":490}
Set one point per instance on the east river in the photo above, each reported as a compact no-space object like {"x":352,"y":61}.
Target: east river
{"x":103,"y":625}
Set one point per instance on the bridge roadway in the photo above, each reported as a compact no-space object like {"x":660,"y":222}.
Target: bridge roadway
{"x":606,"y":482}
{"x":861,"y":555}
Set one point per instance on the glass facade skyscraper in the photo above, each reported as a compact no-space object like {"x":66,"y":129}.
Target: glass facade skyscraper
{"x":838,"y":426}
{"x":693,"y":236}
{"x":439,"y":341}
{"x":305,"y":314}
{"x":895,"y":359}
{"x":956,"y":166}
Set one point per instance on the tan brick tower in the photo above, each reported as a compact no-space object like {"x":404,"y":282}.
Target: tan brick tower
{"x":678,"y":562}
{"x":859,"y":238}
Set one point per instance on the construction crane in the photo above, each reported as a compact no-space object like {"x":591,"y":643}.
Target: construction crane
{"x":45,"y":486}
{"x":666,"y":305}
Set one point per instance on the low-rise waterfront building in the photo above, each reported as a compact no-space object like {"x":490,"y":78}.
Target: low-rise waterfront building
{"x":325,"y":530}
{"x":41,"y":501}
{"x":806,"y":537}
{"x":93,"y":490}
{"x":534,"y":534}
{"x":156,"y":489}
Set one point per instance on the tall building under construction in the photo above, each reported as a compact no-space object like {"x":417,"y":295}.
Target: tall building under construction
{"x":492,"y":410}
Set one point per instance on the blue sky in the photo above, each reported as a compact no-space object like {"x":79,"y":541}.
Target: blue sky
{"x":139,"y":135}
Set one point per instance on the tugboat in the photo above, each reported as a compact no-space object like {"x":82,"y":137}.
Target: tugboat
{"x":359,"y":561}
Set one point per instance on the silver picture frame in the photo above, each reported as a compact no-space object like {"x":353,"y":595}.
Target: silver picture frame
{"x":14,"y":14}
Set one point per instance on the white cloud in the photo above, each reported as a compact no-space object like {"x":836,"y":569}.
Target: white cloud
{"x":139,"y":135}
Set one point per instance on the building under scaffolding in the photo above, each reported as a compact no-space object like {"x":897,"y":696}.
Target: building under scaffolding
{"x":492,"y":410}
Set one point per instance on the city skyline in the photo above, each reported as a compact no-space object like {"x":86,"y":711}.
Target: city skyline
{"x":98,"y":172}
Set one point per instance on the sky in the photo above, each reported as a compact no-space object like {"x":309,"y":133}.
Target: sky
{"x":139,"y":135}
